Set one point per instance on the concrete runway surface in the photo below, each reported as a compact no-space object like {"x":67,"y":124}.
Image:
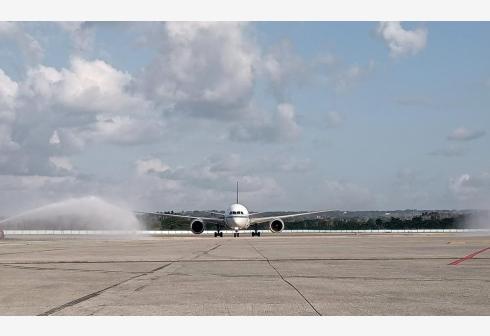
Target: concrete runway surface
{"x":385,"y":274}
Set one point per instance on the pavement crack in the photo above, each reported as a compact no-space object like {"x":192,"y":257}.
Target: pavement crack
{"x":381,"y":278}
{"x":206,"y":252}
{"x":35,"y":262}
{"x":23,"y":252}
{"x":286,"y":281}
{"x":64,"y":269}
{"x":97,"y":293}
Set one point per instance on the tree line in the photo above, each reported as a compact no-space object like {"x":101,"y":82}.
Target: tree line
{"x":391,"y":223}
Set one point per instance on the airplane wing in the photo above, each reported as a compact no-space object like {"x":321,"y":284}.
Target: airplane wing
{"x":209,"y":219}
{"x":215,"y":213}
{"x":257,"y":213}
{"x":266,"y":219}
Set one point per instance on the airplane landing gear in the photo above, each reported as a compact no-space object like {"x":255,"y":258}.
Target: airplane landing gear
{"x":218,"y":233}
{"x":255,"y":233}
{"x":236,"y":234}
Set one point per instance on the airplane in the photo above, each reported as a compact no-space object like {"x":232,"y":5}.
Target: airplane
{"x":236,"y":217}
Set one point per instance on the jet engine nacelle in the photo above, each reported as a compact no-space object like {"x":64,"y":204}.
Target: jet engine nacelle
{"x":197,"y":226}
{"x":276,"y":225}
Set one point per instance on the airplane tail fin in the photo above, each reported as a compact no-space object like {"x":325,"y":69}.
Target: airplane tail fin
{"x":237,"y":192}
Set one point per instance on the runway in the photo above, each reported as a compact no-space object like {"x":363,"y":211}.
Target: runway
{"x":365,"y":274}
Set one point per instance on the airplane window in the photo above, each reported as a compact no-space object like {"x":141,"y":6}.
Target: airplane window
{"x":241,"y":212}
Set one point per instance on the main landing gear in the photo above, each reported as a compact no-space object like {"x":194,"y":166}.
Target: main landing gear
{"x":236,"y":234}
{"x":218,"y":233}
{"x":255,"y":233}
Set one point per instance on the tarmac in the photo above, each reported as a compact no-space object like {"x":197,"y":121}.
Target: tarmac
{"x":276,"y":274}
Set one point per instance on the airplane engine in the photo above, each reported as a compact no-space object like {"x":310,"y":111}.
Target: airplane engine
{"x":276,"y":225}
{"x":197,"y":226}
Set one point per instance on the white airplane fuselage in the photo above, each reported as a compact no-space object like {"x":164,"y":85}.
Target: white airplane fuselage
{"x":237,"y":217}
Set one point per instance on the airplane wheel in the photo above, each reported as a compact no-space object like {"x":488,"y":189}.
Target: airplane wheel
{"x":253,"y":234}
{"x":258,"y":234}
{"x":221,"y":234}
{"x":215,"y":234}
{"x":237,"y":234}
{"x":234,"y":235}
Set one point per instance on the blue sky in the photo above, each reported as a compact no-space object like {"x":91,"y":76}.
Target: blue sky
{"x":306,"y":115}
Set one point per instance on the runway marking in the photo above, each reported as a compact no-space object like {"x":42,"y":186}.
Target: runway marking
{"x":469,"y":256}
{"x":286,"y":281}
{"x":97,"y":293}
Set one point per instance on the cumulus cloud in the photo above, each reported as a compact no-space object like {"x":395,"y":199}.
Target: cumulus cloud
{"x":56,"y":112}
{"x":281,"y":126}
{"x":464,"y":134}
{"x":28,"y":45}
{"x":400,"y":41}
{"x":203,"y":69}
{"x":8,"y":96}
{"x":208,"y":183}
{"x":209,"y":72}
{"x":216,"y":172}
{"x":283,"y":69}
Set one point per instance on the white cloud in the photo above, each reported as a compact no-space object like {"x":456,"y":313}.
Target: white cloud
{"x":203,"y":69}
{"x":92,"y":86}
{"x":281,"y":126}
{"x":82,"y":35}
{"x":283,"y":69}
{"x":8,"y":95}
{"x":153,"y":165}
{"x":471,"y":191}
{"x":56,"y":112}
{"x":207,"y":184}
{"x":61,"y":163}
{"x":55,"y":138}
{"x":29,"y":46}
{"x":464,"y":134}
{"x":402,"y":42}
{"x":348,"y":77}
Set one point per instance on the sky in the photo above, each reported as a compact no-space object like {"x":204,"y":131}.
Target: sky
{"x":305,"y":115}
